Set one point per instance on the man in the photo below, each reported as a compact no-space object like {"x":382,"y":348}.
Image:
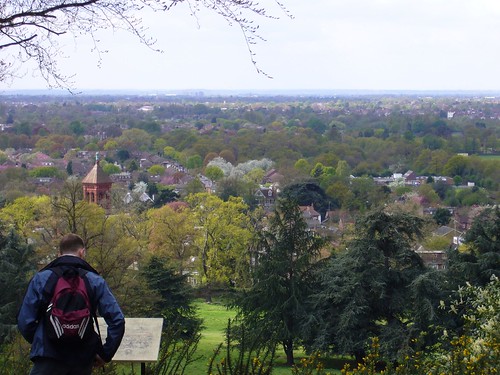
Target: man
{"x":48,"y":356}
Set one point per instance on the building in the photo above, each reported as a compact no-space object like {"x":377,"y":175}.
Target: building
{"x":266,"y":197}
{"x":311,"y":216}
{"x":97,"y":187}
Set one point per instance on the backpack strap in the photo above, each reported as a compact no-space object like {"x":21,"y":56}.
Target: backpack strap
{"x":93,"y":302}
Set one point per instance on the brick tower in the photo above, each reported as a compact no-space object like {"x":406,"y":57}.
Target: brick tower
{"x":97,"y":186}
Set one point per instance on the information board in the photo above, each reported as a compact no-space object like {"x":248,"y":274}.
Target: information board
{"x":141,"y":342}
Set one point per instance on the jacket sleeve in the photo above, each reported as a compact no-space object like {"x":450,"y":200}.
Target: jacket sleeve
{"x":31,"y":309}
{"x":109,"y":309}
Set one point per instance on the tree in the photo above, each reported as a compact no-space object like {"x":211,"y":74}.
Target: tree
{"x":45,"y":172}
{"x":194,"y":162}
{"x":110,"y":168}
{"x":171,"y":235}
{"x":222,"y":239}
{"x":303,"y":166}
{"x":442,"y":216}
{"x":134,"y":140}
{"x":115,"y":246}
{"x":77,"y":128}
{"x":481,"y":257}
{"x":174,"y":302}
{"x":306,"y":194}
{"x":228,"y":156}
{"x":194,"y":186}
{"x":213,"y":172}
{"x":365,"y":291}
{"x":16,"y":264}
{"x":25,"y":214}
{"x":69,"y":168}
{"x":165,"y":195}
{"x":156,"y":170}
{"x":122,"y":155}
{"x":274,"y":306}
{"x":30,"y":31}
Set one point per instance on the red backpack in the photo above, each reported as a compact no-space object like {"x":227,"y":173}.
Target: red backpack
{"x":69,"y":315}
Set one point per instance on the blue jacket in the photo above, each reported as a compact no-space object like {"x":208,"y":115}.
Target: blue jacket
{"x":36,"y":300}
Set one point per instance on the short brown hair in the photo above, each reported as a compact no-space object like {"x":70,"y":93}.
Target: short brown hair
{"x":70,"y":243}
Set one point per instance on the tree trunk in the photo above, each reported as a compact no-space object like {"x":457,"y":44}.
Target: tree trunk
{"x":288,"y":348}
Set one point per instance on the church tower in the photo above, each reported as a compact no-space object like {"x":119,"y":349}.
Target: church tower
{"x":97,"y":186}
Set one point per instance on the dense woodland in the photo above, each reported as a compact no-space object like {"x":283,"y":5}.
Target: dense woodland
{"x":333,"y":292}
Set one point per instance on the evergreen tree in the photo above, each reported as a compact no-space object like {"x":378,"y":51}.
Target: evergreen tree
{"x":274,"y":307}
{"x":366,"y":290}
{"x":16,"y":264}
{"x":481,"y":259}
{"x":174,"y":297}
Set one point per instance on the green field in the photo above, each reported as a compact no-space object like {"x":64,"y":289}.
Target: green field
{"x":490,"y":157}
{"x":215,"y":319}
{"x":216,"y":316}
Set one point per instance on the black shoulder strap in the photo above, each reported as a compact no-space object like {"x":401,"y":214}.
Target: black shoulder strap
{"x":50,"y":285}
{"x":93,"y":301}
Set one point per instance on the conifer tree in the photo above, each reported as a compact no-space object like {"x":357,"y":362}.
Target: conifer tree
{"x":275,"y":306}
{"x":16,"y":264}
{"x":366,"y":290}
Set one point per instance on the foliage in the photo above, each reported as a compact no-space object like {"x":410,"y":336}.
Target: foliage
{"x":365,"y":290}
{"x":194,"y":162}
{"x":45,"y":172}
{"x":237,"y":187}
{"x":115,"y":246}
{"x":274,"y":306}
{"x":481,"y":259}
{"x":476,"y":352}
{"x":250,"y":358}
{"x":312,"y":365}
{"x":175,"y":355}
{"x":16,"y":265}
{"x":74,"y":215}
{"x":110,"y":168}
{"x":15,"y":357}
{"x":222,"y":237}
{"x":213,"y":172}
{"x":442,"y":216}
{"x":306,"y":194}
{"x":156,"y":170}
{"x":26,"y":213}
{"x":175,"y":298}
{"x":241,"y":169}
{"x":164,"y":195}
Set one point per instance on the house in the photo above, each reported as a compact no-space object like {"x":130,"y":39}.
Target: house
{"x":266,"y":197}
{"x":435,"y":259}
{"x":121,"y":177}
{"x":336,"y":220}
{"x":207,"y":183}
{"x":41,"y":160}
{"x":311,"y":216}
{"x":411,"y":178}
{"x":272,"y":177}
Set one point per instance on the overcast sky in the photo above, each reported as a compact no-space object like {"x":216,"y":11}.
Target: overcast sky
{"x":330,"y":44}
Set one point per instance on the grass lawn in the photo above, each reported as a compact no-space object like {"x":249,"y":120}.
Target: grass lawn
{"x":215,"y":316}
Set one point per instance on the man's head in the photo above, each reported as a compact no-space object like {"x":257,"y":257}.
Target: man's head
{"x":71,"y":244}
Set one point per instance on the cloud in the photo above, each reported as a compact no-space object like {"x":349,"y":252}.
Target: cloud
{"x":330,"y":44}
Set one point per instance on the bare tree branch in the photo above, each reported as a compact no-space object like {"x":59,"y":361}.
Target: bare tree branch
{"x":29,"y":30}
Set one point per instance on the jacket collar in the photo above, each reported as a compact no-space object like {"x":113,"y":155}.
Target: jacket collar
{"x":69,"y":260}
